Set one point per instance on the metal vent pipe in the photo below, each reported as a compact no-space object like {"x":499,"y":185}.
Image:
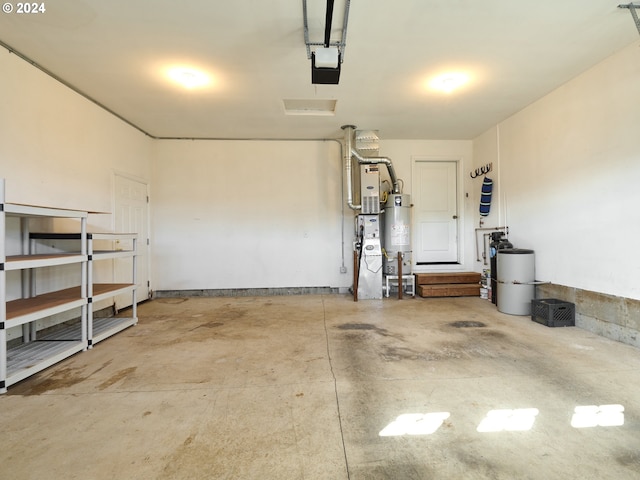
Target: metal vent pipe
{"x":376,"y":160}
{"x":350,"y":153}
{"x":348,"y":140}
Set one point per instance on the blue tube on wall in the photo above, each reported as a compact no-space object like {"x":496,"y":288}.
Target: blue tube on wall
{"x":485,"y":196}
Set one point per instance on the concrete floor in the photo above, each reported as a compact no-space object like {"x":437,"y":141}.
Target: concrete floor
{"x":301,"y":387}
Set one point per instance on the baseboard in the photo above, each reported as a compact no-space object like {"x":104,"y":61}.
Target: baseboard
{"x":246,"y":292}
{"x":610,"y":316}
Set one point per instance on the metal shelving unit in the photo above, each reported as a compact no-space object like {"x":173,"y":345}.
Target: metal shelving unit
{"x":33,"y":355}
{"x":104,"y":327}
{"x":99,"y":328}
{"x":40,"y":350}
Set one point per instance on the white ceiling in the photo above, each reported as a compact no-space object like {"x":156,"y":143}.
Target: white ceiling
{"x":517,"y":51}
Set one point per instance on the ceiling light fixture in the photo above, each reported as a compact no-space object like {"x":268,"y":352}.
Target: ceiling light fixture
{"x":190,"y":78}
{"x":448,"y":82}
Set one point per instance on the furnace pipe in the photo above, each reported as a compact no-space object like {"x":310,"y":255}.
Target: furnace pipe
{"x":376,"y":160}
{"x":350,"y":153}
{"x":348,"y":138}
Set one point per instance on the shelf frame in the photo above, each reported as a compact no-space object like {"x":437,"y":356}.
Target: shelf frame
{"x":100,"y":291}
{"x":36,"y":354}
{"x":33,"y":356}
{"x":21,"y":363}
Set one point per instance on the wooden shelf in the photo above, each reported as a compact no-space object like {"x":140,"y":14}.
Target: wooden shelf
{"x":29,"y":309}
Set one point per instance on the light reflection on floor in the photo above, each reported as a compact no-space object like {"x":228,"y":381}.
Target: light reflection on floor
{"x":517,"y":420}
{"x":504,"y":420}
{"x":415,"y":424}
{"x":598,"y":416}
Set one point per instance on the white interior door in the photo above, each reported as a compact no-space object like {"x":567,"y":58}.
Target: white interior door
{"x":436,"y":211}
{"x":131,"y":215}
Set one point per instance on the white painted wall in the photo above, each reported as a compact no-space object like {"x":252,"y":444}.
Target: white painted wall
{"x":568,"y":178}
{"x":247,"y":214}
{"x":59,"y":149}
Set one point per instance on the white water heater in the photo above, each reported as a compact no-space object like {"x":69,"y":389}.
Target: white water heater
{"x":397,"y":233}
